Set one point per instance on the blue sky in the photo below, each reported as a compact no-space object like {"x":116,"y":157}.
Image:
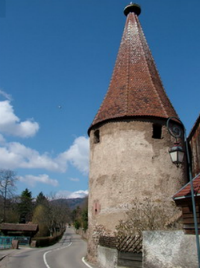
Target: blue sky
{"x":56,"y":61}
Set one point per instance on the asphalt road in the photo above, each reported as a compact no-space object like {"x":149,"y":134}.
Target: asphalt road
{"x":68,"y":253}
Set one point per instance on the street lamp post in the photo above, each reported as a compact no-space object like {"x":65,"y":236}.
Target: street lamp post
{"x":177,"y":155}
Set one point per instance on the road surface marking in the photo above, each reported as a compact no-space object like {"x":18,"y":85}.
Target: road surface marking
{"x":83,"y":260}
{"x":44,"y":256}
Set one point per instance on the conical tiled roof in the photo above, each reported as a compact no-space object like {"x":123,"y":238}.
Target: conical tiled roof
{"x":135,"y":88}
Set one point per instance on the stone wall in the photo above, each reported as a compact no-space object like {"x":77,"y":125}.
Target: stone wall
{"x":128,"y":164}
{"x":172,"y":249}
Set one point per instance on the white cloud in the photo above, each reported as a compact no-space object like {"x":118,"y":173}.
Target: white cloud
{"x":74,"y":179}
{"x":78,"y":194}
{"x":5,"y":95}
{"x":67,"y":194}
{"x":62,"y":194}
{"x":78,"y":154}
{"x":2,"y":140}
{"x":10,"y":124}
{"x":43,"y":178}
{"x":15,"y":155}
{"x":32,"y":159}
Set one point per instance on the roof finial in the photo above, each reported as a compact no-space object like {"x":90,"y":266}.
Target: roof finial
{"x":132,"y":8}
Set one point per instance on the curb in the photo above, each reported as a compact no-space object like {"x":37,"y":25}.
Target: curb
{"x":2,"y":257}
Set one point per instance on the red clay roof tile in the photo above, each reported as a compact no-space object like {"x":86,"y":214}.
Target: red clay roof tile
{"x":186,"y":190}
{"x":135,"y":88}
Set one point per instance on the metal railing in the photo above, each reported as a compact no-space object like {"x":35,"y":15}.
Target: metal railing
{"x":6,"y":241}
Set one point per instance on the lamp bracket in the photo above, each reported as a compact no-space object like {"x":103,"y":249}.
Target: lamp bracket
{"x":174,"y":129}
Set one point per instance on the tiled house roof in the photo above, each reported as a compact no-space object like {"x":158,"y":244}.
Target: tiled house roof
{"x":186,"y":190}
{"x":135,"y":88}
{"x":18,"y":227}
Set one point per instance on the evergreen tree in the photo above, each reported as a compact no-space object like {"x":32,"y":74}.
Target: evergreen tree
{"x":85,"y":219}
{"x":41,"y":200}
{"x":79,"y":216}
{"x":26,"y":206}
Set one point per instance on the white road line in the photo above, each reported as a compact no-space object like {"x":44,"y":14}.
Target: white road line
{"x":83,"y":260}
{"x":44,"y":259}
{"x":44,"y":255}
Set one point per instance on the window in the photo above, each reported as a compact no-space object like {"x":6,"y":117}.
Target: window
{"x":96,"y":136}
{"x":157,"y":131}
{"x":96,"y":207}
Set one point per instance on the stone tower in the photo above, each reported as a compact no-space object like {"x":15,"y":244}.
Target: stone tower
{"x":129,"y":142}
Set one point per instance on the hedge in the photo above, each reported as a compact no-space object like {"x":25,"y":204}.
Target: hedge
{"x":47,"y":241}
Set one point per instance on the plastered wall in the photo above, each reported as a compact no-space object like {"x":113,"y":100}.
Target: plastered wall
{"x":127,"y":164}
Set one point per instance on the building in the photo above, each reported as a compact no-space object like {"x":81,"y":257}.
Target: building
{"x":19,"y":229}
{"x":183,"y":197}
{"x":129,"y":141}
{"x":194,"y":141}
{"x":184,"y":248}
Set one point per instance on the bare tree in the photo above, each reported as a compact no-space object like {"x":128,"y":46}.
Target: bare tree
{"x":51,"y":214}
{"x":7,"y":187}
{"x":148,"y":215}
{"x":58,"y":215}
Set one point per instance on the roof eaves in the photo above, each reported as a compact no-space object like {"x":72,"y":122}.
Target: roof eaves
{"x":198,"y":175}
{"x":123,"y":117}
{"x":185,"y":196}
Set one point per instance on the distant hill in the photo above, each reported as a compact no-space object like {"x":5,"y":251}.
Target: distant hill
{"x":75,"y":202}
{"x":71,"y":202}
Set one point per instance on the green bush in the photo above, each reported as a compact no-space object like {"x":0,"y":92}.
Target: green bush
{"x":77,"y":224}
